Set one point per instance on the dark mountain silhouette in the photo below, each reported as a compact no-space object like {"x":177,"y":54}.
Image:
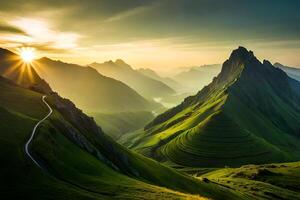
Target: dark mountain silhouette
{"x":25,"y":75}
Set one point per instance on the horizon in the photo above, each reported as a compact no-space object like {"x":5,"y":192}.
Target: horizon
{"x":152,"y":34}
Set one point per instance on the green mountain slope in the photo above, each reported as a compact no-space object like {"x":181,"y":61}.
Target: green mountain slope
{"x":250,"y":113}
{"x":144,"y":85}
{"x":271,"y":181}
{"x":78,"y":160}
{"x":90,"y":90}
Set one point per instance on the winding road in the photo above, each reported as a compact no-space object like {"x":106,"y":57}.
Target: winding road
{"x":36,"y":162}
{"x":33,"y":133}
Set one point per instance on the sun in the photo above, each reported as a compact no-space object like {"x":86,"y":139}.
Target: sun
{"x":27,"y":54}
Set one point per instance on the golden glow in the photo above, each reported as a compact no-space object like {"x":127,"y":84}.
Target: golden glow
{"x":27,"y":54}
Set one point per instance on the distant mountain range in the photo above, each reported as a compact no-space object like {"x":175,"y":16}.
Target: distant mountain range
{"x":90,"y":90}
{"x":249,"y":113}
{"x":195,"y":78}
{"x":293,"y":72}
{"x":144,"y":85}
{"x":167,"y":80}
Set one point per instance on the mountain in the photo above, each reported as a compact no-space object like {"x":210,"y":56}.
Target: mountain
{"x":144,"y":85}
{"x":74,"y":158}
{"x":195,"y":78}
{"x":167,"y":80}
{"x":292,"y":72}
{"x":90,"y":90}
{"x":248,"y":114}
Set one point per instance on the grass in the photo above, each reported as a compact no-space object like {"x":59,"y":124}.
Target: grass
{"x":79,"y":163}
{"x":270,"y":181}
{"x":20,"y":179}
{"x":219,"y":142}
{"x":88,"y":172}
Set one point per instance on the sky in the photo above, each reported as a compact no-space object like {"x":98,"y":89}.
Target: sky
{"x":158,"y":34}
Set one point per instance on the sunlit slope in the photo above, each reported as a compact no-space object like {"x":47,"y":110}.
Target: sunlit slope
{"x":217,"y":141}
{"x":272,"y":181}
{"x":250,"y":113}
{"x":90,"y":90}
{"x":12,"y":67}
{"x":79,"y":161}
{"x":19,"y":111}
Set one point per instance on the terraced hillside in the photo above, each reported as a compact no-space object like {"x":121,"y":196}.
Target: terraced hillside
{"x":250,"y":113}
{"x":237,"y":146}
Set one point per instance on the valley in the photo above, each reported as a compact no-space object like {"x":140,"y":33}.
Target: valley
{"x":149,"y":100}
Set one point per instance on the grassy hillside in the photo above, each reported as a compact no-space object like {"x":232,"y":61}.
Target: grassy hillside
{"x":144,"y":85}
{"x":272,"y":181}
{"x":249,"y":114}
{"x":19,"y":111}
{"x":117,"y":124}
{"x":79,"y":161}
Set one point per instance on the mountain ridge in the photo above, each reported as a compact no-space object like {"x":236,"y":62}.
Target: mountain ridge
{"x":260,"y":99}
{"x":146,"y":86}
{"x":108,"y":94}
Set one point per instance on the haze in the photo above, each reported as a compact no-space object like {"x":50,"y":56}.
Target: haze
{"x":161,"y":35}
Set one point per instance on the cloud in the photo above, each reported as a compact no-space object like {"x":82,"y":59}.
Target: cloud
{"x":150,"y":31}
{"x":10,"y":29}
{"x":132,"y":12}
{"x":38,"y":33}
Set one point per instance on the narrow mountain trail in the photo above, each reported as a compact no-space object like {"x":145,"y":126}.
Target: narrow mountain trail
{"x":34,"y":131}
{"x":27,"y":151}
